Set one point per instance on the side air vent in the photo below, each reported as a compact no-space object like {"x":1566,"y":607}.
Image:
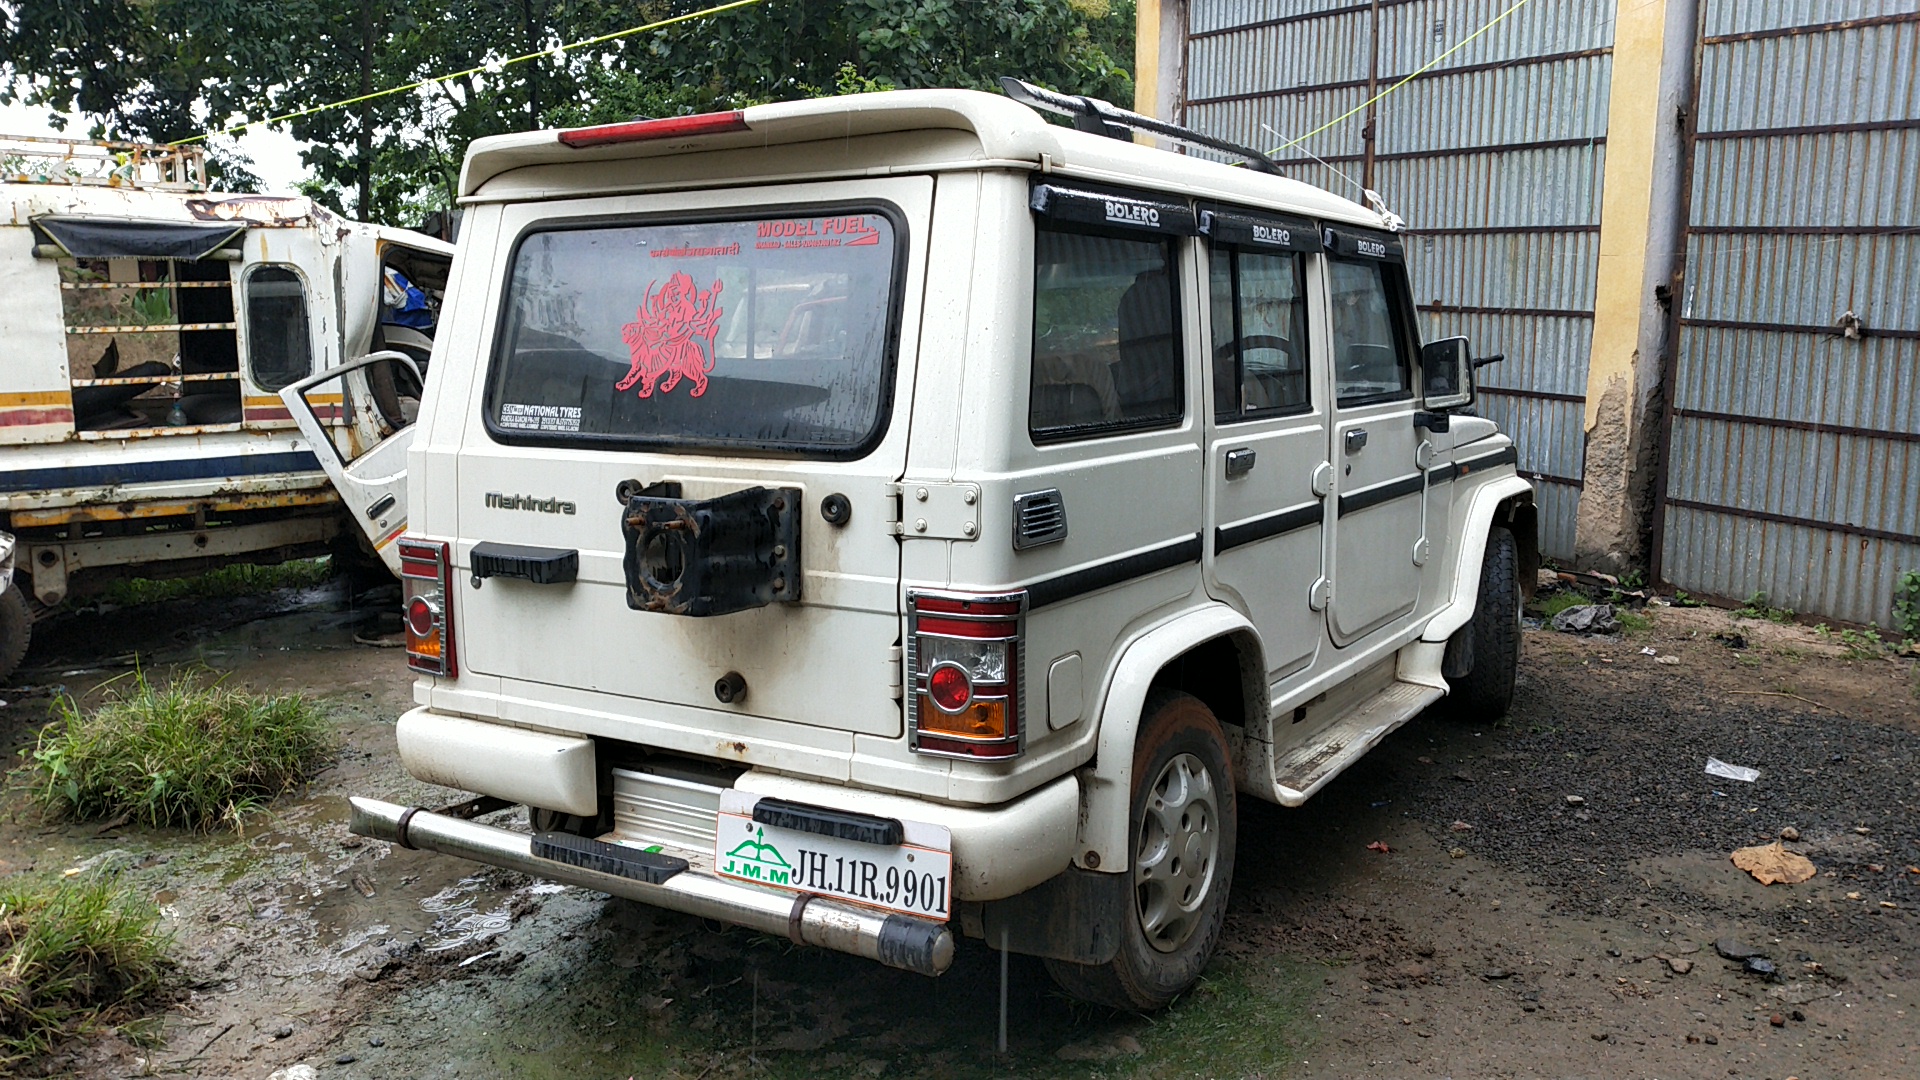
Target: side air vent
{"x":1039,"y":517}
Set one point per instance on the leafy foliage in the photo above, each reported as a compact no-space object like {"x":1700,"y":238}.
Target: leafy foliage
{"x":70,"y":952}
{"x":179,"y":754}
{"x":1758,"y":606}
{"x":1906,"y":605}
{"x":161,"y":70}
{"x":234,"y":579}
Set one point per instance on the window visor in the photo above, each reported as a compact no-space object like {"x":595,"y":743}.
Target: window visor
{"x":1074,"y":206}
{"x":1260,"y":231}
{"x":1365,"y":244}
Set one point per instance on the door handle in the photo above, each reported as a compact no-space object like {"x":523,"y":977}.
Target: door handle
{"x":540,"y":565}
{"x":1356,"y":438}
{"x":1239,"y":462}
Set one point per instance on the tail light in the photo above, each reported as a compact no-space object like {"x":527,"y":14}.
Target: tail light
{"x":966,"y":665}
{"x":426,"y":573}
{"x":671,"y":127}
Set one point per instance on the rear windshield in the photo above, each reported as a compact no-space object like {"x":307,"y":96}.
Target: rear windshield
{"x":769,"y":333}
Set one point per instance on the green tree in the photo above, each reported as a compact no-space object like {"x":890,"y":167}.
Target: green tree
{"x":161,"y":70}
{"x":149,"y":71}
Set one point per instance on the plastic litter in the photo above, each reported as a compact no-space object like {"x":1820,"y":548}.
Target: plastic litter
{"x":1587,"y":619}
{"x":1716,"y":767}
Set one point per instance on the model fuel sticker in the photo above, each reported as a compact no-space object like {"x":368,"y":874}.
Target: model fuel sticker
{"x":853,"y":230}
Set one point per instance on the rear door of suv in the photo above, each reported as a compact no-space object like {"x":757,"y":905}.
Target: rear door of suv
{"x":1268,"y":439}
{"x":692,"y":347}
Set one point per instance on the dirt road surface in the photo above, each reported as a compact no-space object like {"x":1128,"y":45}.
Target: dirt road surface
{"x":1555,"y":899}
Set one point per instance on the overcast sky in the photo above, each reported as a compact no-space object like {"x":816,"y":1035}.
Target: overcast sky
{"x":276,"y":156}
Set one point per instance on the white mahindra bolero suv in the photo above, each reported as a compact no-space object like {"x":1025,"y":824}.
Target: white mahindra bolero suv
{"x":883,"y":519}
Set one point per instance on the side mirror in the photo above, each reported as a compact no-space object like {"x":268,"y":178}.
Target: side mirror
{"x":1445,"y":380}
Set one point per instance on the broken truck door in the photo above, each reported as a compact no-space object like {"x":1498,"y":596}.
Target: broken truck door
{"x":374,"y":484}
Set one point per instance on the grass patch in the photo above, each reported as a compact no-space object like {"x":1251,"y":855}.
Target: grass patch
{"x":1558,"y":602}
{"x":1236,"y":1020}
{"x":1759,"y":607}
{"x":1633,"y":622}
{"x":76,"y":952}
{"x":178,"y":754}
{"x":241,"y":579}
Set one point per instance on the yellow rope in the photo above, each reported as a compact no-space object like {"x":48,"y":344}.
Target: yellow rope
{"x":482,"y":69}
{"x":1497,"y":20}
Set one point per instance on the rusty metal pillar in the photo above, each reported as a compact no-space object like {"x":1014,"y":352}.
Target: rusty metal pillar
{"x":1373,"y":87}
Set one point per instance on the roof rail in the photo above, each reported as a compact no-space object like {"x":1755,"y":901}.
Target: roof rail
{"x":1098,"y":117}
{"x":49,"y":159}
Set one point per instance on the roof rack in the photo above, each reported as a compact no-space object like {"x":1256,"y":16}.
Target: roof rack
{"x":49,"y":159}
{"x":1098,"y":117}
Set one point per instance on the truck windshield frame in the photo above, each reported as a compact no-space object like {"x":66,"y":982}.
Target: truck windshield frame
{"x":727,"y":304}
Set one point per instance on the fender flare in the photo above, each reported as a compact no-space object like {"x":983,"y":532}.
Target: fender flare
{"x":1106,"y":786}
{"x":1458,"y":609}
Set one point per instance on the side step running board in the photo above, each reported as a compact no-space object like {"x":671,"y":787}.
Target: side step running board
{"x":1305,"y":769}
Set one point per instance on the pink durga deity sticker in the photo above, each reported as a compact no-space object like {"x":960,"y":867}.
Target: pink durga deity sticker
{"x":661,"y":337}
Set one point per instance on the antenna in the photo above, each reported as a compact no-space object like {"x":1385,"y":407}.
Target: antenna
{"x":1098,"y":117}
{"x":1268,"y":128}
{"x":1393,"y":221}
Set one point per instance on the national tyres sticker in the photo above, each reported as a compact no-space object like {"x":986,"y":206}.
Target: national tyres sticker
{"x":563,"y":419}
{"x":662,"y":338}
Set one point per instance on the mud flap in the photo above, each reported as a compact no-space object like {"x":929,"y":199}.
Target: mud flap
{"x":373,"y":485}
{"x":1075,"y":916}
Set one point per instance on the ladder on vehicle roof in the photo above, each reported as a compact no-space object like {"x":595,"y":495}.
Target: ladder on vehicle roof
{"x":51,"y":159}
{"x":1098,"y":117}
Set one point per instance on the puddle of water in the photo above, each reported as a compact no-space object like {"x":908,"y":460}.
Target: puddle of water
{"x":458,"y":923}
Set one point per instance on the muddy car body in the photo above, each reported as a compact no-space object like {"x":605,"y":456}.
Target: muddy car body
{"x":150,"y":324}
{"x":878,"y":519}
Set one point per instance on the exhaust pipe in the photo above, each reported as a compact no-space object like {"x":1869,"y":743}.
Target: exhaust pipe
{"x":898,"y":941}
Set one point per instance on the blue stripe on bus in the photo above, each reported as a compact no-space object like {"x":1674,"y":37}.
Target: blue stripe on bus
{"x":157,"y":472}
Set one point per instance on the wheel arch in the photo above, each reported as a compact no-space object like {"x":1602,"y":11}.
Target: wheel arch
{"x":1183,"y":653}
{"x":1505,"y":501}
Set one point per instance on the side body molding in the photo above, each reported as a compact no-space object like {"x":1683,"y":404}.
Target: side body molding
{"x":1105,"y":785}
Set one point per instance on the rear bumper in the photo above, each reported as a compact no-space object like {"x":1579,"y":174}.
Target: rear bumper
{"x":895,"y":940}
{"x":998,"y":851}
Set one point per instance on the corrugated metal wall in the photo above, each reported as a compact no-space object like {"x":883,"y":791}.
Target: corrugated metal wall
{"x":1793,"y":446}
{"x":1494,"y":158}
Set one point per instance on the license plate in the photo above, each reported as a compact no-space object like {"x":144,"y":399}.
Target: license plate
{"x":913,"y":878}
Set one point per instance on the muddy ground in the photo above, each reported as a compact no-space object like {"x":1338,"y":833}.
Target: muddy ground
{"x":1549,"y":907}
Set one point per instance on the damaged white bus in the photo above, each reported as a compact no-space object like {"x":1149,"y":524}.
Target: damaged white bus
{"x":149,"y":327}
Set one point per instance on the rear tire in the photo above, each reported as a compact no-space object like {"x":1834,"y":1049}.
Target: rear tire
{"x":1486,"y":690}
{"x":1182,"y":827}
{"x":16,"y":628}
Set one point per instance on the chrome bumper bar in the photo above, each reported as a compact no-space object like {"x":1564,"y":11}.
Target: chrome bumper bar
{"x":898,"y":941}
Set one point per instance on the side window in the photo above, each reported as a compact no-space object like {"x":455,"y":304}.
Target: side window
{"x":279,"y":342}
{"x":1370,"y":358}
{"x":1106,"y":342}
{"x":1259,"y":334}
